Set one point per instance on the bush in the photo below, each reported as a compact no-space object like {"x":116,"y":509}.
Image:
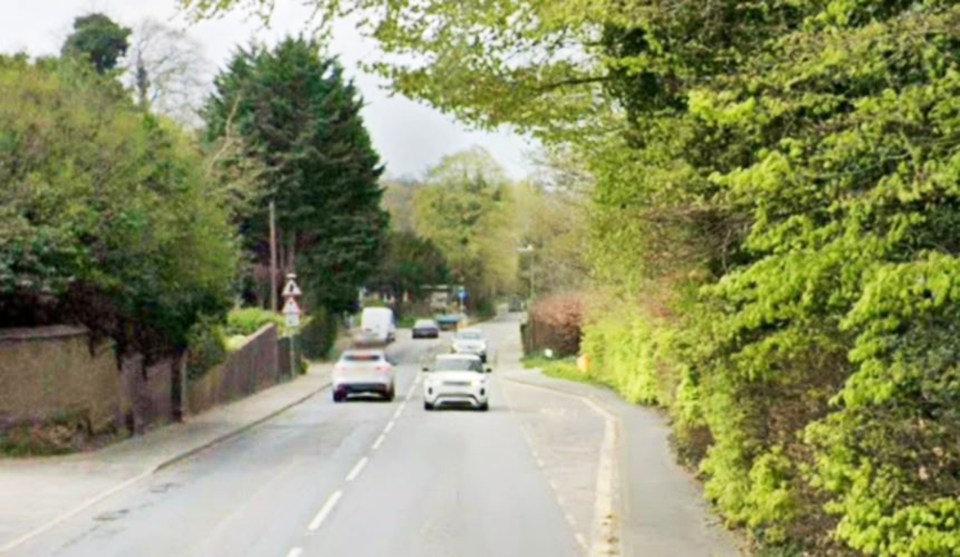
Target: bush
{"x":555,"y":322}
{"x":318,"y":335}
{"x":247,"y":321}
{"x":107,"y":217}
{"x":206,"y":347}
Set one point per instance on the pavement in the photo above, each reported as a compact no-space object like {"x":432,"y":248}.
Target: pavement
{"x":553,"y":469}
{"x":40,"y":493}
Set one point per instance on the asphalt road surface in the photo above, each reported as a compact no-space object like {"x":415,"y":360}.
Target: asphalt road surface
{"x":363,"y":478}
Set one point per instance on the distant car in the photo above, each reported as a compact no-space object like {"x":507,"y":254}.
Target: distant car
{"x":363,"y":372}
{"x":515,"y":305}
{"x":449,"y":322}
{"x":426,"y":328}
{"x":471,"y":341}
{"x":456,"y":380}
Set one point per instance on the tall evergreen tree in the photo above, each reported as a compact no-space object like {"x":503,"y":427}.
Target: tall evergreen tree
{"x":301,"y":118}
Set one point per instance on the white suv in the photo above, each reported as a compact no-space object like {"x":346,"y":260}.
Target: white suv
{"x":456,"y":380}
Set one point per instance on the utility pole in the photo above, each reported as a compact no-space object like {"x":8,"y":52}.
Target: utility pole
{"x":273,"y":256}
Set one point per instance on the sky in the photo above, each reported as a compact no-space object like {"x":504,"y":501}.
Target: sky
{"x":409,"y":136}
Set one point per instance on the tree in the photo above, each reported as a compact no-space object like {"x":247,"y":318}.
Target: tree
{"x":98,"y":38}
{"x":300,"y":118}
{"x":465,"y":208}
{"x":166,"y":70}
{"x":108,"y":218}
{"x":410,"y":263}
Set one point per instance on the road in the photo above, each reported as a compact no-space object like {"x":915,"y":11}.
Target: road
{"x":364,"y":478}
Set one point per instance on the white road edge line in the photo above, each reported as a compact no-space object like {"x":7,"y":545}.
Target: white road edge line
{"x":389,"y":426}
{"x":325,"y":511}
{"x":357,"y":469}
{"x":295,"y":552}
{"x":379,"y":441}
{"x":605,"y":528}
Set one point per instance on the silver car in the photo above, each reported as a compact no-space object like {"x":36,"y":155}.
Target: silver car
{"x":363,"y":372}
{"x":470,"y":341}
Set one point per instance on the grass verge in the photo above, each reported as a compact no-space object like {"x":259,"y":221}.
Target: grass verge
{"x":565,"y":368}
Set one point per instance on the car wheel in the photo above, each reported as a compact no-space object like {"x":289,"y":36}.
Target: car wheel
{"x":390,"y":395}
{"x":427,"y":406}
{"x":338,"y":396}
{"x":485,"y":406}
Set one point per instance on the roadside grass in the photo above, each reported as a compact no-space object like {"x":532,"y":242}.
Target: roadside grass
{"x":564,"y":368}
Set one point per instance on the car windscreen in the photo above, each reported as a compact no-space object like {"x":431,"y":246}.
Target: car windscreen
{"x":424,"y":324}
{"x":469,"y":336}
{"x":458,"y":364}
{"x":348,"y":357}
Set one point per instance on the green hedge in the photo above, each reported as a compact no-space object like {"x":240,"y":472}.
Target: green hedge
{"x":318,"y":335}
{"x":246,"y":321}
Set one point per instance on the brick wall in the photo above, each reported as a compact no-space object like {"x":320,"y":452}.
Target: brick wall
{"x":246,"y":371}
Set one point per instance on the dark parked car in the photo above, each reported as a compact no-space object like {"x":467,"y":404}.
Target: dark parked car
{"x":426,"y":328}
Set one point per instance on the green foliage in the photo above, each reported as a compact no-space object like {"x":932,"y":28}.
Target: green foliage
{"x":464,"y":210}
{"x":409,"y":264}
{"x":318,"y":335}
{"x":246,"y":321}
{"x":300,"y":119}
{"x":99,"y":40}
{"x":206,"y":347}
{"x":774,"y":215}
{"x":106,"y":215}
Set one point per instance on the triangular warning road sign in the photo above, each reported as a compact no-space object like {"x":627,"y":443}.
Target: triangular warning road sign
{"x":291,"y":290}
{"x":291,"y":307}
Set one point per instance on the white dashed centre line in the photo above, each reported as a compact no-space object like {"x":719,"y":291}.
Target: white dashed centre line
{"x":357,"y":469}
{"x":325,"y":511}
{"x":398,"y":412}
{"x":295,"y":552}
{"x":379,"y":441}
{"x":389,"y":426}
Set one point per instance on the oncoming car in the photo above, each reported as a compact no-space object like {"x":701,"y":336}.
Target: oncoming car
{"x":456,"y":380}
{"x":471,"y":341}
{"x":363,"y":372}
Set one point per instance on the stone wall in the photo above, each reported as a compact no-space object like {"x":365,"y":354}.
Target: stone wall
{"x":52,"y":373}
{"x":246,"y":371}
{"x":61,"y":391}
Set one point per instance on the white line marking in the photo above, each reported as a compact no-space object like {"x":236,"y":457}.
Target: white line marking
{"x":389,"y":426}
{"x":357,"y":469}
{"x":581,"y":540}
{"x":379,"y":441}
{"x":539,"y":463}
{"x":295,"y":552}
{"x":325,"y":511}
{"x":398,"y":412}
{"x":605,"y":527}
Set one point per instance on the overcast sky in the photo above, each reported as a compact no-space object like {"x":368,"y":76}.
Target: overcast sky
{"x":410,"y":137}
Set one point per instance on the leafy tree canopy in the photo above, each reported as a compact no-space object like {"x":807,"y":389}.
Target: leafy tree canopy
{"x":108,"y":218}
{"x":98,"y":38}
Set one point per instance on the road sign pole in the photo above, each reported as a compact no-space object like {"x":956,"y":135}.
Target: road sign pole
{"x":292,"y":312}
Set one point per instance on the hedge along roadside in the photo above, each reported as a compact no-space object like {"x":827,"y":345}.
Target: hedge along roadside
{"x":106,"y":217}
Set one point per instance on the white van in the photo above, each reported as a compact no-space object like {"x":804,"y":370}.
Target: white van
{"x":377,"y":327}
